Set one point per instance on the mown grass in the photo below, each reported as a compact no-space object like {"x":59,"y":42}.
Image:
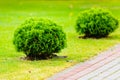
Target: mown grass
{"x":14,"y":12}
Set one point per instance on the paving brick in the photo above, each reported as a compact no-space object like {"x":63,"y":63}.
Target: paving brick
{"x":118,"y":78}
{"x":113,"y":76}
{"x":101,"y":69}
{"x":106,"y":73}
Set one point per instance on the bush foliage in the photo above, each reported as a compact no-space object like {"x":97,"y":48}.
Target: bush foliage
{"x":96,"y":22}
{"x":39,"y":38}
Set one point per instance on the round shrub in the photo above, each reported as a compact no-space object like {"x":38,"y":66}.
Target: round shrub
{"x":39,"y":38}
{"x":96,"y":22}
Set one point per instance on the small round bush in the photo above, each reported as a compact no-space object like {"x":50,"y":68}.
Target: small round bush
{"x":96,"y":22}
{"x":39,"y":38}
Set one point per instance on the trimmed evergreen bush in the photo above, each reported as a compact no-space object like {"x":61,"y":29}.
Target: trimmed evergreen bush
{"x":39,"y":38}
{"x":96,"y":23}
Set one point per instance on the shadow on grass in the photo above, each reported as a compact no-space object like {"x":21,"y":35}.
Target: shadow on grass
{"x":114,"y":37}
{"x":42,"y":58}
{"x":111,"y":37}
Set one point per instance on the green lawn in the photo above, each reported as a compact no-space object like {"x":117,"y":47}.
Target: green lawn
{"x":15,"y":12}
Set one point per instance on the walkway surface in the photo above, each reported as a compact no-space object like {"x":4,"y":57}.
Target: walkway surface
{"x":105,"y":66}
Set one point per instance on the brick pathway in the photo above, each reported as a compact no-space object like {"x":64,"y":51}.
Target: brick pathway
{"x":105,"y":66}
